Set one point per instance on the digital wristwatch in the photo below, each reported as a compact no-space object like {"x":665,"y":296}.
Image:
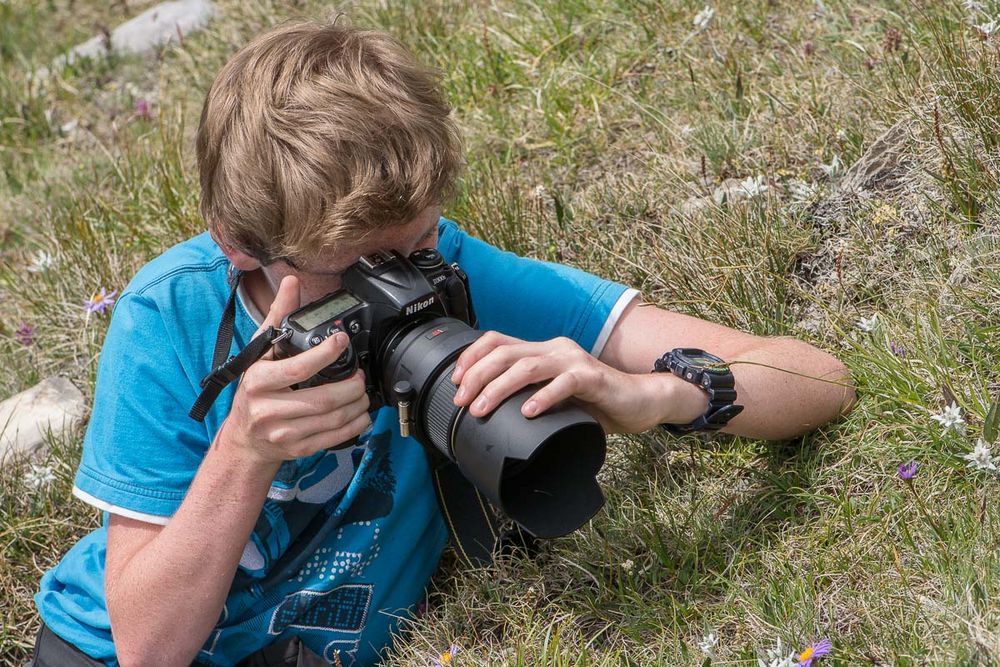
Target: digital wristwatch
{"x":713,"y":376}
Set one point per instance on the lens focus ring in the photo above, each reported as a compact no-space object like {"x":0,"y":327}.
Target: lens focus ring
{"x":441,"y":410}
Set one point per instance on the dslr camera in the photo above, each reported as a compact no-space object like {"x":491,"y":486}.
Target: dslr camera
{"x":408,"y":320}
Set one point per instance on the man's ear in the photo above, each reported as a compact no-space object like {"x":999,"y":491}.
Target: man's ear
{"x":239,"y":259}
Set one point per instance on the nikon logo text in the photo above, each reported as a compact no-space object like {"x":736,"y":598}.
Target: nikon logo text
{"x":419,"y":305}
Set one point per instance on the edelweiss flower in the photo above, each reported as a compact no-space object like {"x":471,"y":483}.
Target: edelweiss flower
{"x":950,"y":418}
{"x":802,"y":192}
{"x":981,"y":458}
{"x":776,"y":656}
{"x":988,"y":29}
{"x":40,"y":261}
{"x":754,"y":186}
{"x":833,"y":169}
{"x":868,"y":325}
{"x":708,"y":644}
{"x":39,"y":476}
{"x":703,"y":18}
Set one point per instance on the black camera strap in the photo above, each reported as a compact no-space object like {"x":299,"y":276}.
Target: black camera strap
{"x":227,"y":368}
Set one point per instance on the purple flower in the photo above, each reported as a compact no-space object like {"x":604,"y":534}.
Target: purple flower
{"x":142,"y":109}
{"x":25,"y":334}
{"x":908,"y":470}
{"x":898,"y":350}
{"x":448,"y":656}
{"x":100,"y":302}
{"x":817,"y":650}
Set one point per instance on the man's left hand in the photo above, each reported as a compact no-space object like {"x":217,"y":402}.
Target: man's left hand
{"x":496,"y":366}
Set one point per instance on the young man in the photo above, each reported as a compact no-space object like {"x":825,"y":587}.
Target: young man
{"x":319,"y":144}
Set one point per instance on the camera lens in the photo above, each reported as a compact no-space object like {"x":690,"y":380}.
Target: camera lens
{"x":541,"y":472}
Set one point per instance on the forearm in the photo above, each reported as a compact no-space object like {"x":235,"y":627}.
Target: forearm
{"x":187,"y":569}
{"x":788,"y":388}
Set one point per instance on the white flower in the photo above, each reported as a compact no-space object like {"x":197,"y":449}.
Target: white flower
{"x":39,"y":476}
{"x":973,"y":6}
{"x":40,"y":261}
{"x":776,"y":656}
{"x":868,"y":325}
{"x":950,"y":418}
{"x":539,"y":192}
{"x":628,"y":565}
{"x":981,"y":458}
{"x":833,"y":169}
{"x":703,"y":18}
{"x":802,"y":192}
{"x":753,"y":186}
{"x":989,"y":28}
{"x":708,"y":644}
{"x":842,"y":134}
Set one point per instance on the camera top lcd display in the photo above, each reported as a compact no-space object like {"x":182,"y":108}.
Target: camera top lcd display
{"x":326,"y":310}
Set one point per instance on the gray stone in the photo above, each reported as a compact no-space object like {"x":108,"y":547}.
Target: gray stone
{"x":155,"y":27}
{"x":51,"y":406}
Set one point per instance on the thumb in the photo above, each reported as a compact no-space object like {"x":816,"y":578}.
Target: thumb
{"x":285,"y":301}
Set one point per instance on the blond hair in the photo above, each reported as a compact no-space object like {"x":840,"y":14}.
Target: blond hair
{"x":314,"y":135}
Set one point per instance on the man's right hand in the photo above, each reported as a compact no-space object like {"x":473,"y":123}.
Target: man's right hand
{"x":270,"y":422}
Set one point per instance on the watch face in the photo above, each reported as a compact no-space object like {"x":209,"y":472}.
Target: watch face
{"x":699,"y":358}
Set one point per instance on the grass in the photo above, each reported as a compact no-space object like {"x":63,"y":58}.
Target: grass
{"x":597,"y":133}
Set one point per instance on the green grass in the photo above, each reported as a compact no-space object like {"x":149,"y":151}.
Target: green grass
{"x":624,"y":115}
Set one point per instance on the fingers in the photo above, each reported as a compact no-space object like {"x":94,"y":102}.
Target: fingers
{"x":274,"y":375}
{"x":316,"y":400}
{"x":285,"y":301}
{"x":328,"y":439}
{"x":479,"y":349}
{"x":582,"y":383}
{"x":524,"y":372}
{"x":297,"y":430}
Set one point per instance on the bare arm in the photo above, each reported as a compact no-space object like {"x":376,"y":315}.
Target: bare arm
{"x":812,"y":388}
{"x":188,"y":565}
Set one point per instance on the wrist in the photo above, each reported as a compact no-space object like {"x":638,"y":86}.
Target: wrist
{"x":242,"y":454}
{"x":679,"y":402}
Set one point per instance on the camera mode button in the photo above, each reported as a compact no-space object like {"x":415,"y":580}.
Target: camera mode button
{"x":316,"y":340}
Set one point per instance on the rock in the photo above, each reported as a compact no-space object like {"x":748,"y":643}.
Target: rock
{"x":53,"y":405}
{"x":159,"y":25}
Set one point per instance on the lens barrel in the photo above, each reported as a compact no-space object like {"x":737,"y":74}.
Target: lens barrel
{"x":541,"y":472}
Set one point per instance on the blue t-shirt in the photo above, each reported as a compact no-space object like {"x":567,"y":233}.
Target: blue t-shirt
{"x":141,"y":452}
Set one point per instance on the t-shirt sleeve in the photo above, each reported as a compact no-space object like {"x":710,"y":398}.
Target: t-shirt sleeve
{"x":531,"y":299}
{"x":141,"y":450}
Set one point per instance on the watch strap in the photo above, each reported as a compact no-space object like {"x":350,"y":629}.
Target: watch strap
{"x":720,"y":385}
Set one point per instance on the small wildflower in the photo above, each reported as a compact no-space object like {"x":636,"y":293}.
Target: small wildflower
{"x":703,"y":18}
{"x":100,"y":302}
{"x":908,"y":470}
{"x":950,"y":418}
{"x":833,"y":169}
{"x":981,"y":457}
{"x":708,"y":644}
{"x":988,"y":29}
{"x":539,"y":192}
{"x":753,"y":186}
{"x":802,"y":192}
{"x":808,"y":49}
{"x":775,"y":656}
{"x":628,"y":565}
{"x":24,"y":334}
{"x":891,"y":40}
{"x":39,"y":476}
{"x":40,"y":261}
{"x":973,"y":6}
{"x":813,"y":652}
{"x":868,"y":325}
{"x":897,"y":349}
{"x":143,"y":109}
{"x":448,"y":656}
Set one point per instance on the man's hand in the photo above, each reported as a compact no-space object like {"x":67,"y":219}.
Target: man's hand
{"x":274,"y":423}
{"x":496,"y":366}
